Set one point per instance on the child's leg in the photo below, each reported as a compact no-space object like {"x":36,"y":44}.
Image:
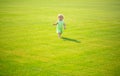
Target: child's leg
{"x":59,"y":35}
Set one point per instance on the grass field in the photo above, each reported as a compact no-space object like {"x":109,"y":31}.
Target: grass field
{"x":29,"y":45}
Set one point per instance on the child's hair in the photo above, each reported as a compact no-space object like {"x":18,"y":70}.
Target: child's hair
{"x":60,"y":15}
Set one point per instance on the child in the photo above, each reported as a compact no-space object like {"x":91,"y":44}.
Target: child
{"x":60,"y":24}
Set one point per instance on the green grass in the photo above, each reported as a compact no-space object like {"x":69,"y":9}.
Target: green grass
{"x":29,"y":45}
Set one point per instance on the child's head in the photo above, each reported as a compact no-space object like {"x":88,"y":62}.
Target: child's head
{"x":60,"y":17}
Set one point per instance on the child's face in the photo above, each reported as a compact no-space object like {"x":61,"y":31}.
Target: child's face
{"x":60,"y":18}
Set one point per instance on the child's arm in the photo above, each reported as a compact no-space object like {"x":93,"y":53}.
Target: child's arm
{"x":64,"y":26}
{"x":55,"y":23}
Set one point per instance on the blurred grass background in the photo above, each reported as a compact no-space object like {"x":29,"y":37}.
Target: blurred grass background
{"x":29,"y":45}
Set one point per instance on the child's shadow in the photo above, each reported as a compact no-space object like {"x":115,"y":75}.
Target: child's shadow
{"x":69,"y":39}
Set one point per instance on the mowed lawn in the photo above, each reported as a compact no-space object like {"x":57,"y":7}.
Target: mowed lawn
{"x":29,"y":45}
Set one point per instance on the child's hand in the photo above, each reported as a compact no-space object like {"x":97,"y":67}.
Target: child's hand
{"x":55,"y":24}
{"x":64,"y":28}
